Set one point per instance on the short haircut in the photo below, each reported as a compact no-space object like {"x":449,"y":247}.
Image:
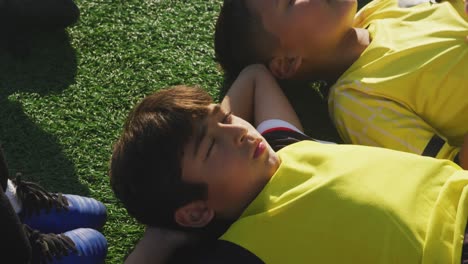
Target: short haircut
{"x":241,"y":39}
{"x":145,"y":170}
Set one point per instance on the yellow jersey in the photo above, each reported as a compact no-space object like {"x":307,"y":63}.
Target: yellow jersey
{"x":330,"y":203}
{"x":409,"y":89}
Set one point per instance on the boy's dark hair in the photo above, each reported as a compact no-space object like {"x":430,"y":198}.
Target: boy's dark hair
{"x":241,"y":39}
{"x":145,"y":171}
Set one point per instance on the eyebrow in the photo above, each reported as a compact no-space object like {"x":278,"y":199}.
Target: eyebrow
{"x":201,"y":132}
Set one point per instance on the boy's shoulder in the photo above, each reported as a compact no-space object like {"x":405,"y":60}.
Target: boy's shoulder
{"x":376,"y":7}
{"x":279,"y":134}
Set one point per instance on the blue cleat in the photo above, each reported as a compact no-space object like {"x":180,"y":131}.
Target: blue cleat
{"x":82,"y":245}
{"x":56,"y":212}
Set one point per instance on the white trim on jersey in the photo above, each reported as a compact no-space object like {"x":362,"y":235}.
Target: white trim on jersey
{"x":276,"y":123}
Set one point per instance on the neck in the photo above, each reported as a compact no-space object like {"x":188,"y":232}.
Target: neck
{"x":351,"y":48}
{"x":343,"y":56}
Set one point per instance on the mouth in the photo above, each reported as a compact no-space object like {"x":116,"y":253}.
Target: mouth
{"x":260,"y":149}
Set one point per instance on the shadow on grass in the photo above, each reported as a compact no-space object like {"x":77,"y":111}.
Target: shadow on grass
{"x":43,"y":64}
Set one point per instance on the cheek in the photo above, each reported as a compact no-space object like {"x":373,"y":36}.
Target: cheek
{"x":304,"y":28}
{"x":344,"y":12}
{"x":231,"y":173}
{"x":228,"y":191}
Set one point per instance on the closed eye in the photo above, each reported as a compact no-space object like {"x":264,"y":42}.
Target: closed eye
{"x":210,"y":148}
{"x":227,"y":118}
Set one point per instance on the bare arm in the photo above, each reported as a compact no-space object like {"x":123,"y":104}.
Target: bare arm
{"x":255,"y":96}
{"x":156,"y":246}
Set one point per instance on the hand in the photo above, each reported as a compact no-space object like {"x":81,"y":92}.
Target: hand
{"x":156,"y":246}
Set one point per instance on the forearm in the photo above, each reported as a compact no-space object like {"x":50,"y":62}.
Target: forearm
{"x":156,"y":246}
{"x":255,"y":96}
{"x":240,"y":97}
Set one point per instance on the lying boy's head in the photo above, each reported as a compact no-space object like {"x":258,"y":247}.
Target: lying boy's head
{"x":145,"y":166}
{"x":241,"y":39}
{"x":183,"y":161}
{"x":291,"y":37}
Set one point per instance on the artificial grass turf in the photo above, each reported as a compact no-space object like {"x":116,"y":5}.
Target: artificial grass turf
{"x":63,"y":106}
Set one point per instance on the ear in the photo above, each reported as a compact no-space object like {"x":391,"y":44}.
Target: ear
{"x":284,"y":67}
{"x":194,"y":214}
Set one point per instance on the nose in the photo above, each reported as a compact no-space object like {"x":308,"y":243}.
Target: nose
{"x":236,"y":133}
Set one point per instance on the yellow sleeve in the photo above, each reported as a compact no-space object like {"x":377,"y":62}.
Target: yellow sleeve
{"x":374,"y":121}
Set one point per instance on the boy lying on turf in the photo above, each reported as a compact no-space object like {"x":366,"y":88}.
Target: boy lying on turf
{"x":185,"y":163}
{"x":398,"y":69}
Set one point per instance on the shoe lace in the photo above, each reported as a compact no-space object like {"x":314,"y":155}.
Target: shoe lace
{"x":47,"y":247}
{"x":34,"y":197}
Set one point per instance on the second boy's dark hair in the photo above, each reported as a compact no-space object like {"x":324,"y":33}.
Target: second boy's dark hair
{"x":241,"y":39}
{"x":145,"y":169}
